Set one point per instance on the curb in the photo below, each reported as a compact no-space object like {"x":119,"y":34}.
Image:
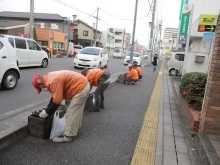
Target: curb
{"x":13,"y":132}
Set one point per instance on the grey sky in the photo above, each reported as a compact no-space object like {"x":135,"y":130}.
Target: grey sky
{"x":112,"y":13}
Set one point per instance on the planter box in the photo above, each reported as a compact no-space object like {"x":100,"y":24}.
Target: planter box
{"x":41,"y":128}
{"x":192,"y":116}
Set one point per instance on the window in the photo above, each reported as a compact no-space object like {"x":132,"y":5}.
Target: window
{"x":42,"y":25}
{"x":180,"y":57}
{"x":1,"y":45}
{"x":33,"y":45}
{"x":118,"y":41}
{"x":11,"y":41}
{"x":20,"y":43}
{"x":54,"y":26}
{"x":85,"y":33}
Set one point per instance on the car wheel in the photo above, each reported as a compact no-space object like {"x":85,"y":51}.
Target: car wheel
{"x":99,"y":66}
{"x":10,"y":80}
{"x":106,"y":65}
{"x":44,"y":63}
{"x":173,"y":72}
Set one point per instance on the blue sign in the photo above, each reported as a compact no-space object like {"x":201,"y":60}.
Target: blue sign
{"x":208,"y":36}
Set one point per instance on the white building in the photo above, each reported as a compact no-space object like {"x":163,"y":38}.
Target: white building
{"x":120,"y":36}
{"x":169,"y":39}
{"x":197,"y":60}
{"x":108,"y":42}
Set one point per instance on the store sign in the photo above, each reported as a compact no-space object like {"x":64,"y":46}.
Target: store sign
{"x":206,"y":28}
{"x":207,"y":23}
{"x":72,"y":28}
{"x":184,"y":24}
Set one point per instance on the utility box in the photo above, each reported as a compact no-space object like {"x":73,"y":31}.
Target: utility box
{"x":199,"y":59}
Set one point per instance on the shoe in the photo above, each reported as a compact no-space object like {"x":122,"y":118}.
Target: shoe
{"x":62,"y":139}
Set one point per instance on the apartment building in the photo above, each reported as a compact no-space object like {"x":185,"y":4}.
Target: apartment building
{"x":169,"y":39}
{"x":120,"y":35}
{"x":108,"y":41}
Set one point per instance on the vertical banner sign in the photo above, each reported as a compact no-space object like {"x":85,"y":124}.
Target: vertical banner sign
{"x":181,"y":7}
{"x":184,"y":22}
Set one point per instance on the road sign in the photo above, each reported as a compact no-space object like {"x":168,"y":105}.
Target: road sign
{"x":206,"y":28}
{"x":208,"y":36}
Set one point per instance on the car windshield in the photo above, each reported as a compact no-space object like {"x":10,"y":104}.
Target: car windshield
{"x":117,"y":51}
{"x":134,"y":54}
{"x":92,"y":51}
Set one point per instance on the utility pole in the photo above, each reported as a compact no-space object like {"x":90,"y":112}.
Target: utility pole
{"x":133,"y":36}
{"x":31,"y":26}
{"x":97,"y":17}
{"x":152,"y":31}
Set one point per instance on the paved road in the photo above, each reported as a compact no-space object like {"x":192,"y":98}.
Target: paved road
{"x":108,"y":137}
{"x":24,"y":96}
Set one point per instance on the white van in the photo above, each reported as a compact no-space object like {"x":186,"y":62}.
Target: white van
{"x":119,"y":53}
{"x":175,"y":63}
{"x":9,"y":72}
{"x":28,"y":52}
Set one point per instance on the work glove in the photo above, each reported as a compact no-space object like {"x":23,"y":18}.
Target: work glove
{"x":51,"y":107}
{"x":43,"y":114}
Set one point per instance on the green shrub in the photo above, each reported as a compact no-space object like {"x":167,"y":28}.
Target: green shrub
{"x":192,"y":89}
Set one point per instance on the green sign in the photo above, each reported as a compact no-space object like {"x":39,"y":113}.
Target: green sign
{"x":181,"y":7}
{"x":184,"y":24}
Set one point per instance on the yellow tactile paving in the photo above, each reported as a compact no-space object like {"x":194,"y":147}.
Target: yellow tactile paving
{"x":145,"y":150}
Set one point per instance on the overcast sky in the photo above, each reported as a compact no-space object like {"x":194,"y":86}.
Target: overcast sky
{"x":112,"y":13}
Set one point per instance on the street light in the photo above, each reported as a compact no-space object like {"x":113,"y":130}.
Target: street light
{"x":74,"y":34}
{"x":69,"y":23}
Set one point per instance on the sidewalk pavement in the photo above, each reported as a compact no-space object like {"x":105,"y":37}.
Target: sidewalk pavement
{"x":164,"y":137}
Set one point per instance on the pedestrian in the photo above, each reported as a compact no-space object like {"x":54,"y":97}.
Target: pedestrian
{"x":155,"y":62}
{"x":48,"y":52}
{"x":100,"y":79}
{"x":139,"y":71}
{"x":131,"y":76}
{"x":69,"y":85}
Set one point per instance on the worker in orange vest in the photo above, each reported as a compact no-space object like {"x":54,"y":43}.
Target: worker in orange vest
{"x":68,"y":85}
{"x":100,"y":79}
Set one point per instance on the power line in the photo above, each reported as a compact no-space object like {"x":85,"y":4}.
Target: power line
{"x":59,"y":1}
{"x":117,"y":17}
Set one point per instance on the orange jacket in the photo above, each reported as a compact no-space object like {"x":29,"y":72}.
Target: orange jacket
{"x":64,"y":84}
{"x":93,"y":76}
{"x":138,"y":69}
{"x":132,"y":74}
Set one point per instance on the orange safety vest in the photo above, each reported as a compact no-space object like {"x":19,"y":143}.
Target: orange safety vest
{"x":93,"y":76}
{"x":139,"y":71}
{"x":132,"y":74}
{"x":64,"y":84}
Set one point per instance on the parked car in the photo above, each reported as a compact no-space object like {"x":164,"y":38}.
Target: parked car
{"x":119,"y":53}
{"x":9,"y":71}
{"x":146,"y":56}
{"x":28,"y":52}
{"x":175,"y":63}
{"x":91,"y":57}
{"x":136,"y":58}
{"x":77,"y":48}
